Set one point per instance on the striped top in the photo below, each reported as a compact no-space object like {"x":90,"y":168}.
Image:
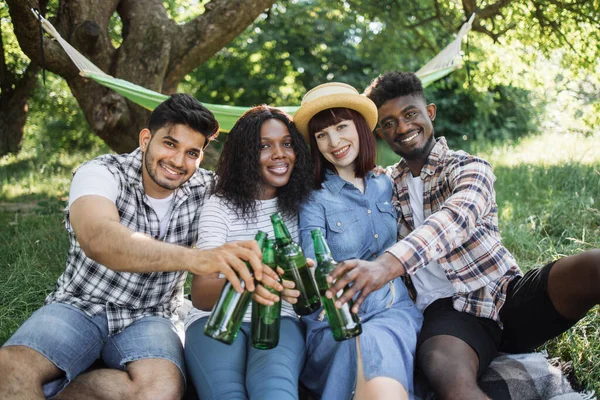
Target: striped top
{"x":220,"y":224}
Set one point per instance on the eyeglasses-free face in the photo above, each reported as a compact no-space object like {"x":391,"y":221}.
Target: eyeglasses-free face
{"x":406,"y":124}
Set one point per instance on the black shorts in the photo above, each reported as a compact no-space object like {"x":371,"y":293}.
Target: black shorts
{"x":482,"y":334}
{"x":528,"y":316}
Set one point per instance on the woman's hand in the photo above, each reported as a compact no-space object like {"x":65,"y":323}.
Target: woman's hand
{"x":270,"y":279}
{"x":289,"y":294}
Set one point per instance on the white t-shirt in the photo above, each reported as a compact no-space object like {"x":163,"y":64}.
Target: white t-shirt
{"x":219,"y":225}
{"x":95,"y":179}
{"x":430,"y":282}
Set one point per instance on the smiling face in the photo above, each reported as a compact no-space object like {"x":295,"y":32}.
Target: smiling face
{"x":339,"y":144}
{"x":170,"y":157}
{"x":405,"y":123}
{"x":277,"y":157}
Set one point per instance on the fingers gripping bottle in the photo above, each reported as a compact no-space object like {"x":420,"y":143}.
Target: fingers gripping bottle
{"x":291,"y":259}
{"x":226,"y":316}
{"x":266,"y":319}
{"x":343,"y":322}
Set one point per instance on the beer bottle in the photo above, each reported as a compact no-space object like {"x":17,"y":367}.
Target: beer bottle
{"x":343,"y":322}
{"x":291,"y":259}
{"x":266,"y":319}
{"x":228,"y":313}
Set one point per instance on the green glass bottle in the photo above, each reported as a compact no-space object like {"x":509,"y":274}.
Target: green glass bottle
{"x":291,"y":259}
{"x":228,"y":313}
{"x":343,"y":322}
{"x":266,"y":319}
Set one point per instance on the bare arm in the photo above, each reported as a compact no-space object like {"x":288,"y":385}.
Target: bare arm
{"x":205,"y":291}
{"x":105,"y":240}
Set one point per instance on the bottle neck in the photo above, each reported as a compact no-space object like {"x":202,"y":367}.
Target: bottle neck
{"x":322,"y":252}
{"x":261,"y":239}
{"x":269,"y":253}
{"x":282,"y":235}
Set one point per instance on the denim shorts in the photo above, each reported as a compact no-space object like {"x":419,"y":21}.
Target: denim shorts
{"x":73,"y":341}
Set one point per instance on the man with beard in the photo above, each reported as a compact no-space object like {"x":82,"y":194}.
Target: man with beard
{"x":475,"y":299}
{"x":132,"y":220}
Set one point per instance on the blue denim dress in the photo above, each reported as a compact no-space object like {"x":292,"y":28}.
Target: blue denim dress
{"x":358,"y":225}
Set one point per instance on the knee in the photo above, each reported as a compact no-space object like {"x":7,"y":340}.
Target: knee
{"x":18,"y":376}
{"x":6,"y":368}
{"x":14,"y":362}
{"x":448,"y":373}
{"x":434,"y":360}
{"x":160,"y":390}
{"x":595,"y":260}
{"x":591,"y":262}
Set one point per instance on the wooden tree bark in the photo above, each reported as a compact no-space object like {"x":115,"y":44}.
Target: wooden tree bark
{"x":15,"y":90}
{"x":155,"y":52}
{"x":13,"y":109}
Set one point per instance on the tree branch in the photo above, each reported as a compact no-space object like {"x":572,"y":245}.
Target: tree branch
{"x":26,"y":28}
{"x":544,"y":21}
{"x":222,"y":21}
{"x":493,"y":9}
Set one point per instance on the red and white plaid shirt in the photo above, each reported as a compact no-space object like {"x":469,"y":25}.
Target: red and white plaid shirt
{"x":460,"y":230}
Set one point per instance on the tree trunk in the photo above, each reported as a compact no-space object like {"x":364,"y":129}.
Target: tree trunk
{"x":155,"y":52}
{"x":13,"y":109}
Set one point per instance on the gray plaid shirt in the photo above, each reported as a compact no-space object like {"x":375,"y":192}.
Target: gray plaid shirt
{"x":124,"y":296}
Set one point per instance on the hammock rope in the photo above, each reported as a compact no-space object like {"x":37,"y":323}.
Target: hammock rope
{"x":448,"y":60}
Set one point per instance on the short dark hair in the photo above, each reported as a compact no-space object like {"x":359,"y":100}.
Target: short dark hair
{"x":183,"y":109}
{"x":238,"y":168}
{"x":332,"y":116}
{"x":392,"y":85}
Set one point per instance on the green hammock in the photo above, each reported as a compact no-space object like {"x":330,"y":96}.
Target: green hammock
{"x":442,"y":64}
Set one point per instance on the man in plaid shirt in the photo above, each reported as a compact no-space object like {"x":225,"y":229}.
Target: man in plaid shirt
{"x":474,"y":297}
{"x":132,"y":220}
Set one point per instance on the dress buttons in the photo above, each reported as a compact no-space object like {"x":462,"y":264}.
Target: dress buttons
{"x":368,"y":211}
{"x":376,"y":236}
{"x":339,"y":223}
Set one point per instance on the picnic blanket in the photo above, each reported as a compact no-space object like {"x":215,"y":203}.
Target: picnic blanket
{"x":521,"y":377}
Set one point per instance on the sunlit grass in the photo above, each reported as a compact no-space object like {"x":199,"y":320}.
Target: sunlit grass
{"x":31,"y":175}
{"x":547,"y":149}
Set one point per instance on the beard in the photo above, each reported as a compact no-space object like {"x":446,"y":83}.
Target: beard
{"x":151,"y":166}
{"x":419,"y":152}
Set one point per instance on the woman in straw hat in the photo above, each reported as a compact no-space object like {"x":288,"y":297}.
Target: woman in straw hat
{"x":353,"y":208}
{"x":264,"y":168}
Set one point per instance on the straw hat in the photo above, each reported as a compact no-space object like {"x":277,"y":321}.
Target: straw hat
{"x":333,"y":95}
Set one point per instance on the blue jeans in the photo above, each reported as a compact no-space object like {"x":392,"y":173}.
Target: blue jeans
{"x":73,"y":341}
{"x":239,"y":371}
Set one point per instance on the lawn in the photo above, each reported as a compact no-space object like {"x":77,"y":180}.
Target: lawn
{"x":548,"y":193}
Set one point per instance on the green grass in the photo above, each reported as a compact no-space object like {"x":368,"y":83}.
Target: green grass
{"x":548,"y":193}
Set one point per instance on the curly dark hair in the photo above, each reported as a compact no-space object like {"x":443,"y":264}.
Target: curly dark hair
{"x":239,"y":177}
{"x":394,"y":84}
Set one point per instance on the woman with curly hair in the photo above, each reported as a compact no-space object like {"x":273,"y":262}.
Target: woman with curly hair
{"x":264,"y":168}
